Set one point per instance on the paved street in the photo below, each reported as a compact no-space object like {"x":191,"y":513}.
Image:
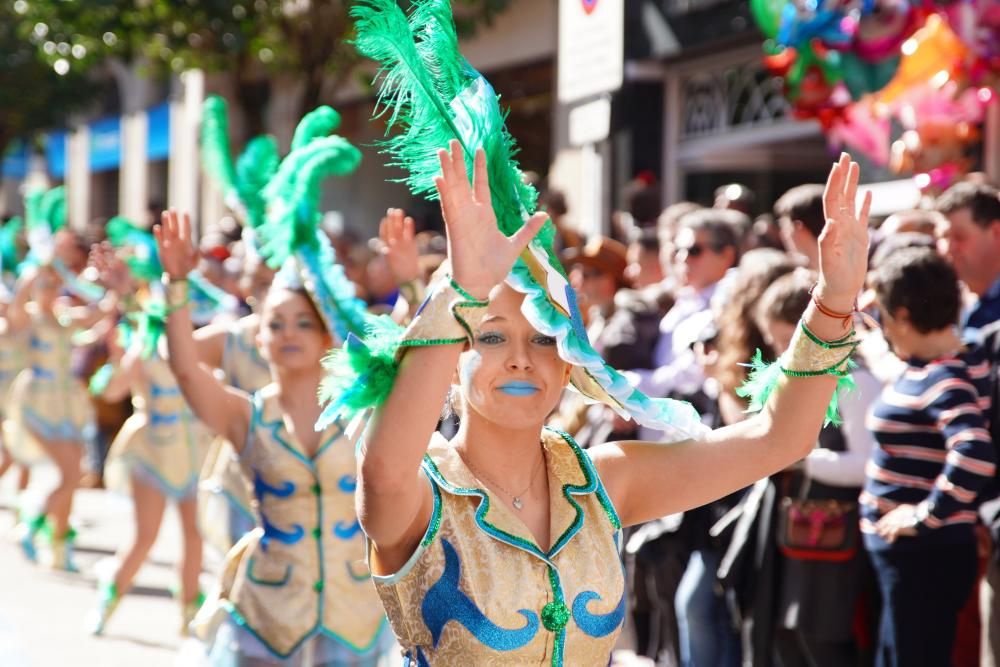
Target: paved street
{"x":42,"y":613}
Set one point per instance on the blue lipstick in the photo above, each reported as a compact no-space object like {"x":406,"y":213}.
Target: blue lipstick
{"x":518,"y":388}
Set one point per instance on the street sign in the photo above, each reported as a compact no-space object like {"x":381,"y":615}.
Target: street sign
{"x":590,"y":122}
{"x":591,"y":47}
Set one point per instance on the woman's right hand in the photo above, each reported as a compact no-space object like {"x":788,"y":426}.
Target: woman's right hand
{"x":481,"y":255}
{"x":399,"y":245}
{"x":173,"y":242}
{"x":113,"y":273}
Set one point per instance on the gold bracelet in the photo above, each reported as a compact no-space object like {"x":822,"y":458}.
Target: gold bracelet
{"x":177,"y":292}
{"x":449,"y":315}
{"x":808,"y":355}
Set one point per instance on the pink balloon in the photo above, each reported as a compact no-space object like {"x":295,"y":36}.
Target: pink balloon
{"x":863,"y":132}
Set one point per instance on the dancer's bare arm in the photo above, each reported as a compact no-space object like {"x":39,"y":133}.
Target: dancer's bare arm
{"x":223,"y":409}
{"x":648,"y":480}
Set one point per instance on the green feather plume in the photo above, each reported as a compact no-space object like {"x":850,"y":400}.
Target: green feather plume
{"x":216,"y":155}
{"x":319,"y":122}
{"x":763,"y":378}
{"x":9,"y":253}
{"x":373,"y":360}
{"x":46,"y":208}
{"x":431,"y":93}
{"x":256,"y":165}
{"x":143,"y":260}
{"x":293,"y":196}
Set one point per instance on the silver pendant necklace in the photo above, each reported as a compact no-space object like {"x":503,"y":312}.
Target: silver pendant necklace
{"x":515,"y":499}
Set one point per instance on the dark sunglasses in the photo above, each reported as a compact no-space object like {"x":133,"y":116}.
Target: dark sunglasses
{"x":692,"y":251}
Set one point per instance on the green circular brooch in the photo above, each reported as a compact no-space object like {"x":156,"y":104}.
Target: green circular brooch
{"x":555,"y":616}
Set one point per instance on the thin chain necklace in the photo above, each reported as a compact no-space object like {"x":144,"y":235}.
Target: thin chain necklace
{"x":515,"y":499}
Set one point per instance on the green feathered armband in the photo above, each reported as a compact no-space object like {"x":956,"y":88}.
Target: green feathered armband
{"x":807,"y":356}
{"x":360,"y":375}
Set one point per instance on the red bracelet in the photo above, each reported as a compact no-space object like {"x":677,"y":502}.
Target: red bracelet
{"x":846,"y":318}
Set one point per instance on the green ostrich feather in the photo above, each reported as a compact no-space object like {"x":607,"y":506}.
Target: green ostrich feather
{"x":319,"y":122}
{"x":431,"y":94}
{"x":373,"y":360}
{"x":256,"y":165}
{"x":763,"y":379}
{"x":46,"y":208}
{"x":216,"y":155}
{"x":144,"y":260}
{"x":293,"y":196}
{"x":9,"y":254}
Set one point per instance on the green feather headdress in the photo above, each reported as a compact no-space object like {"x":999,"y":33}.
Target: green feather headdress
{"x":44,"y":215}
{"x":143,"y":261}
{"x":291,"y":234}
{"x":9,"y":252}
{"x":241,"y":181}
{"x":278,"y":199}
{"x":431,"y":94}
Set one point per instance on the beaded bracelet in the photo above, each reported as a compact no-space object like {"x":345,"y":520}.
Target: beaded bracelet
{"x":844,"y":317}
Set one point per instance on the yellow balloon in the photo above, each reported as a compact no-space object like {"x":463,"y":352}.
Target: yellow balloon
{"x":932,"y":54}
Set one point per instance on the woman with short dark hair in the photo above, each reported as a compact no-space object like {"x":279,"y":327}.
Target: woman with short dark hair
{"x":934,"y":454}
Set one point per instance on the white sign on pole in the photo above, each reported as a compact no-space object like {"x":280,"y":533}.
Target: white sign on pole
{"x":591,"y":47}
{"x":590,"y":122}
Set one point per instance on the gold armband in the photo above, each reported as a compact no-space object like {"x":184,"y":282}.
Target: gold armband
{"x":448,"y":315}
{"x":809,"y":356}
{"x":177,"y":293}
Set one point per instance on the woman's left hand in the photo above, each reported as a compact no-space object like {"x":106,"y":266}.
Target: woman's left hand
{"x":901,"y":521}
{"x":843,"y":244}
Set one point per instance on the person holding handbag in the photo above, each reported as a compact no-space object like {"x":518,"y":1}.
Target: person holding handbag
{"x":934,"y":456}
{"x":821,"y":567}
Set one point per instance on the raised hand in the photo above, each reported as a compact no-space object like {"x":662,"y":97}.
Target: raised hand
{"x":481,"y":255}
{"x":173,"y":241}
{"x":843,"y":244}
{"x":112,"y":272}
{"x":399,"y":245}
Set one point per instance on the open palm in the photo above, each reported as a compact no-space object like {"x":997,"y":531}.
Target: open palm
{"x":399,"y":245}
{"x":843,"y":244}
{"x":173,"y":242}
{"x":481,"y":255}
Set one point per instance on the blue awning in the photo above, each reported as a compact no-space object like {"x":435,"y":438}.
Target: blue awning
{"x":55,"y":153}
{"x":158,"y":139}
{"x":15,"y":160}
{"x":105,"y":144}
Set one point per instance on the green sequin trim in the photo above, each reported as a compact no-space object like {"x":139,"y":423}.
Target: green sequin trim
{"x":268,"y":582}
{"x":458,"y":288}
{"x":559,"y":643}
{"x":435,"y":524}
{"x":591,"y":485}
{"x":555,"y":616}
{"x":846,"y":341}
{"x":587,"y":464}
{"x":427,"y":342}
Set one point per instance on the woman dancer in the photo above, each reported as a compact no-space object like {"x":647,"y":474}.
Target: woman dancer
{"x":51,"y":404}
{"x":295,"y":590}
{"x":502,"y":545}
{"x":511,"y":530}
{"x":161,"y":447}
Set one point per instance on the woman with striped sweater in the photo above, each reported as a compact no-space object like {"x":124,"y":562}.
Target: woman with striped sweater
{"x":933,"y":457}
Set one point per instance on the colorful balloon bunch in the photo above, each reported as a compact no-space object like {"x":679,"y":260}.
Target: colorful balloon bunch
{"x":856,"y":65}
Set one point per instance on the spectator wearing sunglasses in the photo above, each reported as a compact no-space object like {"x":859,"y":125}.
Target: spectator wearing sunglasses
{"x":706,"y":248}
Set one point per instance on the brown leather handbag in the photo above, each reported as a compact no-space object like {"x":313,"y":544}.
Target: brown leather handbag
{"x":825,"y":530}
